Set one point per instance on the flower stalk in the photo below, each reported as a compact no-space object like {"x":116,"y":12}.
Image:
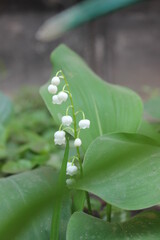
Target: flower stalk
{"x":59,"y":136}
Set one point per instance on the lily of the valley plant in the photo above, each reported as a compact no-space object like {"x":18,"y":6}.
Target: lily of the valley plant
{"x":69,"y":122}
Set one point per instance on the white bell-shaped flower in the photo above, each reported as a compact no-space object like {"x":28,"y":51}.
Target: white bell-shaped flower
{"x":55,"y":81}
{"x":69,"y":164}
{"x":60,"y":141}
{"x":67,"y":120}
{"x":62,"y":96}
{"x":59,"y":134}
{"x":52,"y":89}
{"x":55,"y":100}
{"x":85,"y":123}
{"x":77,"y":142}
{"x":59,"y":137}
{"x":72,"y":170}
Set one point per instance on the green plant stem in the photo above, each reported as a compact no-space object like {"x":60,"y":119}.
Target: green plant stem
{"x":108,"y":212}
{"x":88,"y":203}
{"x":74,"y":122}
{"x":75,"y":136}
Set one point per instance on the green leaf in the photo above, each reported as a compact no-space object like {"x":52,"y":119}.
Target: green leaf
{"x":152,"y":106}
{"x":124,"y":170}
{"x":110,"y":108}
{"x":58,"y":202}
{"x":13,"y":167}
{"x":144,"y":226}
{"x":149,"y":130}
{"x":6,"y":108}
{"x":26,"y":205}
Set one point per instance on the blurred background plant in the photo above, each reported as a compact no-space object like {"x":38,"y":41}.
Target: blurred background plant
{"x":26,"y":136}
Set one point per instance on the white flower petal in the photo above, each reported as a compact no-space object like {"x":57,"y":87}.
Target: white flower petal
{"x":55,"y":100}
{"x":69,"y":164}
{"x":85,"y":123}
{"x":52,"y":89}
{"x":62,"y":96}
{"x":67,"y":120}
{"x":77,"y":142}
{"x":72,"y":170}
{"x":55,"y":81}
{"x":59,"y":141}
{"x":59,"y":134}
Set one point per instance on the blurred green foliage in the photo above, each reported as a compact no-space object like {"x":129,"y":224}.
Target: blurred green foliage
{"x":26,"y":135}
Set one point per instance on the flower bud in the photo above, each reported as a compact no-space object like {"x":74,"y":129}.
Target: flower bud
{"x":55,"y":81}
{"x":52,"y":89}
{"x":70,"y":182}
{"x":62,"y":96}
{"x":77,"y":142}
{"x":85,"y":123}
{"x":67,"y":120}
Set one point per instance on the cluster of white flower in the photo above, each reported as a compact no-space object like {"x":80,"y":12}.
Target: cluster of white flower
{"x":66,"y":121}
{"x":52,"y":88}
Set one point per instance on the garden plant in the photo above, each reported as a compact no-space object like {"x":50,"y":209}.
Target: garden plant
{"x":100,"y":157}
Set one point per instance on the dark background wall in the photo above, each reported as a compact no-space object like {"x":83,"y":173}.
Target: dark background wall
{"x":122,"y":48}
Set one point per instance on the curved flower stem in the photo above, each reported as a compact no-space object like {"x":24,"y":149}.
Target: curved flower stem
{"x":74,"y":121}
{"x":60,"y":71}
{"x":75,"y":136}
{"x":70,"y":106}
{"x":80,"y":111}
{"x":60,"y":128}
{"x":64,"y":87}
{"x":68,"y":129}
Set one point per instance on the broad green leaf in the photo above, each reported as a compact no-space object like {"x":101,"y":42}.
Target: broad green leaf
{"x":6,"y":108}
{"x":78,"y":200}
{"x":149,"y":130}
{"x":144,"y":226}
{"x":26,"y":205}
{"x":110,"y":108}
{"x":152,"y":106}
{"x":124,"y":170}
